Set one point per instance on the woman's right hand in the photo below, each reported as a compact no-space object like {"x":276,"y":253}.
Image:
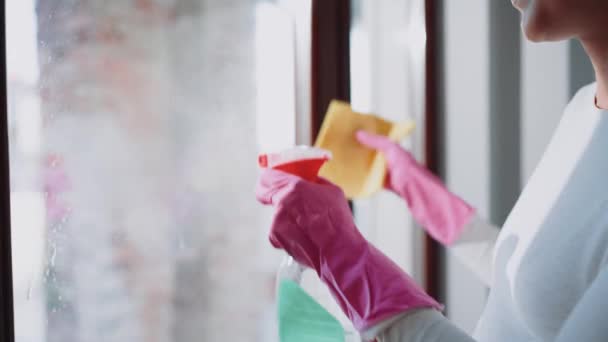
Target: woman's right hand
{"x":313,"y":223}
{"x":443,"y":214}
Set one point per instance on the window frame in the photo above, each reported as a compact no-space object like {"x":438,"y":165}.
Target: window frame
{"x":330,"y":78}
{"x":330,"y":57}
{"x":6,"y":283}
{"x":432,"y":144}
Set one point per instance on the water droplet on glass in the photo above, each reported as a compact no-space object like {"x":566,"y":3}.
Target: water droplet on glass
{"x":30,"y":287}
{"x":181,"y":242}
{"x":53,"y":255}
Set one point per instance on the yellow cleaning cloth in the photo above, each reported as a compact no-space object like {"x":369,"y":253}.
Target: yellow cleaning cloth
{"x":359,"y":171}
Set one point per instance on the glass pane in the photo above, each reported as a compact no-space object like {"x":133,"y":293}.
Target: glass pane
{"x":134,"y":131}
{"x":387,"y":70}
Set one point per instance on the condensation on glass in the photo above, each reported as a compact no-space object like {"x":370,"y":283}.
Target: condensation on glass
{"x":133,"y":135}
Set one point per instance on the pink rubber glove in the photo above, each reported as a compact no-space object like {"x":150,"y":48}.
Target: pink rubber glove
{"x":443,"y":214}
{"x":313,"y":223}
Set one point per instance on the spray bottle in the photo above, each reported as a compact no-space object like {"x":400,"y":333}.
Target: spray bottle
{"x":305,"y":162}
{"x":310,"y":319}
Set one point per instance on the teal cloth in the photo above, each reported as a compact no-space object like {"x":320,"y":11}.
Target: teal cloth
{"x":302,"y":319}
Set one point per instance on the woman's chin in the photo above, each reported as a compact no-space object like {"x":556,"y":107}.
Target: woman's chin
{"x":537,"y":35}
{"x":534,"y":36}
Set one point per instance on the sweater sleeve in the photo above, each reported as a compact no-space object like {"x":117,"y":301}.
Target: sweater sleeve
{"x":475,"y":247}
{"x":425,"y":325}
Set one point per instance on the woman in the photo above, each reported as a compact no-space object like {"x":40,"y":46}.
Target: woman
{"x":548,"y":267}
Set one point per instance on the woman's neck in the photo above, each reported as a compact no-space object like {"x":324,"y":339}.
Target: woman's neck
{"x":597,"y":49}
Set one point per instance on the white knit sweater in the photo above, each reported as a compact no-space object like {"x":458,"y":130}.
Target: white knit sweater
{"x":548,"y":266}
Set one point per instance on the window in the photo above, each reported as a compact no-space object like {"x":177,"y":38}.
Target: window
{"x":134,"y":128}
{"x":387,"y":57}
{"x":133,"y":133}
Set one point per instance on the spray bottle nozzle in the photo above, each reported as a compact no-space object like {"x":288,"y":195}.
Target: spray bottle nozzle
{"x":302,"y":161}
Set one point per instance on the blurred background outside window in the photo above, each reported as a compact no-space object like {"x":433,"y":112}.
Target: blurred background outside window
{"x":134,"y":130}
